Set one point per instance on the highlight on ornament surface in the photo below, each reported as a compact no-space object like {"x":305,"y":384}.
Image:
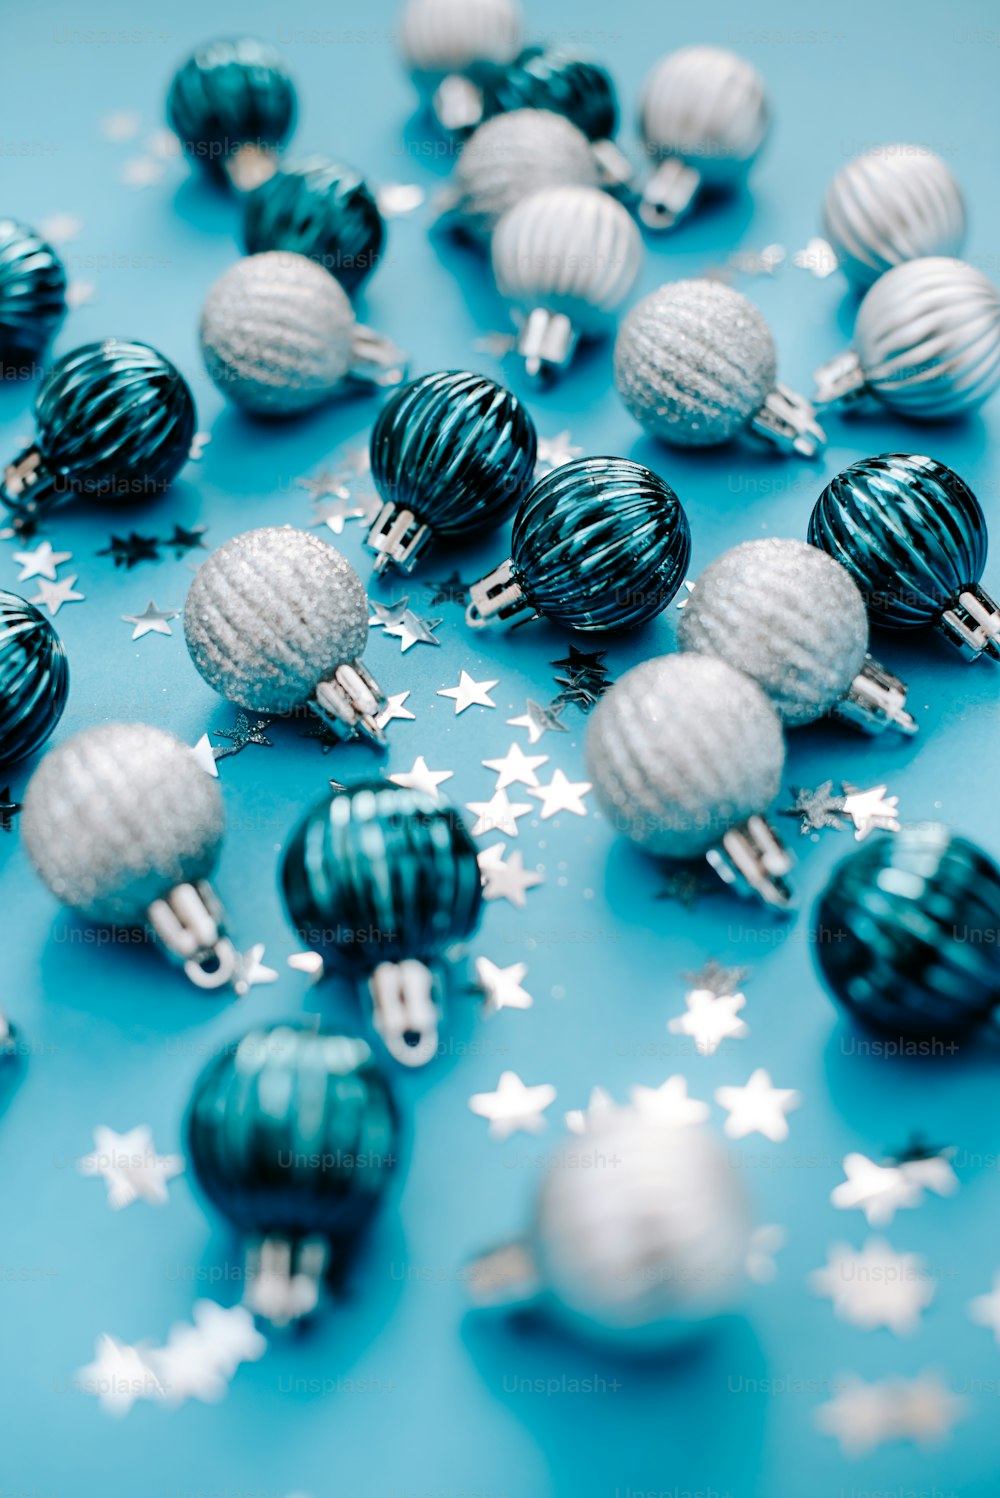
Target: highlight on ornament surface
{"x":913,"y":536}
{"x":279,"y":336}
{"x":276,"y":620}
{"x":566,"y":258}
{"x":790,"y":617}
{"x":124,"y":827}
{"x":323,"y":210}
{"x":114,"y":422}
{"x":704,"y":117}
{"x":34,"y":678}
{"x":686,"y":755}
{"x":696,"y":365}
{"x":382,"y":880}
{"x":32,"y":293}
{"x":233,"y":107}
{"x":926,"y":343}
{"x":451,"y":453}
{"x":441,"y":41}
{"x":597,"y":544}
{"x":293,"y":1136}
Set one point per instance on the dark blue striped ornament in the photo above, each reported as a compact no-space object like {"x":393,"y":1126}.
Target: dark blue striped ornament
{"x":34,"y":679}
{"x":320,"y":209}
{"x":231,"y":94}
{"x":32,"y":293}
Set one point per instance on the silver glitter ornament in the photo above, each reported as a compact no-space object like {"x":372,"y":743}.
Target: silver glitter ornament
{"x":642,"y":1250}
{"x":440,"y":40}
{"x":703,"y":117}
{"x":891,"y":204}
{"x":276,"y":620}
{"x":125,"y":827}
{"x":926,"y":342}
{"x":567,"y":257}
{"x":695,"y":364}
{"x":279,"y":335}
{"x":685,"y":754}
{"x":794,"y":620}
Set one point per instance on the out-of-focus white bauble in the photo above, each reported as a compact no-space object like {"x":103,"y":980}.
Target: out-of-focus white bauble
{"x":572,"y":250}
{"x":118,"y":816}
{"x":891,"y":204}
{"x":438,"y":37}
{"x":785,"y":614}
{"x":682,"y":748}
{"x":511,"y":156}
{"x":708,"y":107}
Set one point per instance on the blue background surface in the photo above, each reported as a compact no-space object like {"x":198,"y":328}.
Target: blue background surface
{"x":397,"y":1391}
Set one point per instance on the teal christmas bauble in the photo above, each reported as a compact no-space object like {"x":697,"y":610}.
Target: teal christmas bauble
{"x":230,"y":94}
{"x":555,"y":79}
{"x":320,"y":209}
{"x":34,"y":678}
{"x":32,"y":293}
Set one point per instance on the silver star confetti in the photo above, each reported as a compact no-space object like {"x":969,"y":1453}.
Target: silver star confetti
{"x":669,"y":1103}
{"x":600,"y":1109}
{"x":501,"y":986}
{"x":539,"y":720}
{"x":152,"y":621}
{"x":506,"y":880}
{"x":469,"y":693}
{"x":42,"y":562}
{"x":420,"y":778}
{"x":516,"y":767}
{"x":984,"y":1310}
{"x":395,"y":707}
{"x":54,"y":595}
{"x":335,"y":513}
{"x":555,"y":452}
{"x":130,"y":1167}
{"x":871,"y":811}
{"x":874,"y":1287}
{"x":710,"y":1019}
{"x":243,"y":732}
{"x":499,"y":814}
{"x":399,"y":619}
{"x":717,"y":979}
{"x":249,"y":970}
{"x":398,"y":199}
{"x":864,"y":1416}
{"x":199,"y":1359}
{"x":818,"y":258}
{"x":204,"y":752}
{"x":757,"y":1108}
{"x":513,"y":1107}
{"x":561,"y":795}
{"x":879,"y":1190}
{"x":118,"y":1376}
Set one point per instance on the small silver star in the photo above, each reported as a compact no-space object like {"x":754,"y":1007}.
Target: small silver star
{"x":119,"y":1375}
{"x":874,"y":1286}
{"x":243,"y":732}
{"x":710,"y":1019}
{"x":152,"y":621}
{"x":871,"y":811}
{"x":420,"y":778}
{"x":879,"y":1190}
{"x":513,"y":1107}
{"x":42,"y":562}
{"x":326,"y":484}
{"x":861,"y":1416}
{"x":395,"y":708}
{"x":506,"y":880}
{"x":601,"y":1108}
{"x":717,"y":978}
{"x":199,"y":442}
{"x":516,"y":767}
{"x":337,"y":512}
{"x":501,"y":986}
{"x":130,"y":1166}
{"x":539,"y":720}
{"x":399,"y":619}
{"x":199,"y":1360}
{"x":469,"y":693}
{"x":499,"y":814}
{"x":54,"y":595}
{"x":555,"y":452}
{"x":816,"y":809}
{"x":561,"y":795}
{"x":249,"y":970}
{"x":818,"y":258}
{"x":758,"y":1108}
{"x":204,"y":753}
{"x":669,"y":1103}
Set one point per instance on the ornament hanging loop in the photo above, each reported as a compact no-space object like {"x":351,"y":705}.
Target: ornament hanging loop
{"x":841,"y":381}
{"x":284,"y":1278}
{"x":29,"y":487}
{"x":376,"y":359}
{"x":876,"y":701}
{"x":668,"y":194}
{"x":752,"y":859}
{"x":405,"y":1010}
{"x":788,"y":421}
{"x":349,"y":702}
{"x":188,"y":922}
{"x":498,"y":599}
{"x":972,"y":624}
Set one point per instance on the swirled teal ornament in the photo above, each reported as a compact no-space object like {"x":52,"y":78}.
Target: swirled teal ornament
{"x":293,"y":1136}
{"x":114,"y":422}
{"x":32,"y":293}
{"x":451,"y":454}
{"x":34,"y":678}
{"x":233,"y":105}
{"x":598,"y":544}
{"x":907,"y":933}
{"x":555,"y":79}
{"x":320,"y":209}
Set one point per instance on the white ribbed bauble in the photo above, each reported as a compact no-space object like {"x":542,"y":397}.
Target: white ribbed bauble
{"x":511,"y":156}
{"x":892,"y":204}
{"x":438,"y":37}
{"x":707,"y":106}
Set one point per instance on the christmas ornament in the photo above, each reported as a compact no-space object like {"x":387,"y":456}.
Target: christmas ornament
{"x":913,"y":536}
{"x":382,"y":879}
{"x":695,"y":364}
{"x":32,"y":293}
{"x":293,"y":1135}
{"x":279,"y":335}
{"x":703,"y":116}
{"x":566,"y":257}
{"x":124,"y":827}
{"x":926,"y":342}
{"x":114,"y":420}
{"x":906,"y":933}
{"x":600,"y":543}
{"x":451,"y":455}
{"x":276,"y":620}
{"x":640,"y":1251}
{"x":891,"y":204}
{"x":320,"y":209}
{"x":442,"y":40}
{"x":552,"y":78}
{"x":34,"y":679}
{"x":686,"y":754}
{"x":788,"y":616}
{"x":233,"y":105}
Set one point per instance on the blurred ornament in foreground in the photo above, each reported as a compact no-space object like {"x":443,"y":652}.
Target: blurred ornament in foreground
{"x":34,"y":679}
{"x":32,"y":294}
{"x":441,"y":42}
{"x":233,"y":106}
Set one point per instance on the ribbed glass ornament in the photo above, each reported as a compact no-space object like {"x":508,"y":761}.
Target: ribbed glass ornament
{"x":456,"y":449}
{"x":907,"y":933}
{"x":320,"y":209}
{"x":709,"y":107}
{"x":293,"y":1132}
{"x":231,"y":93}
{"x":379,"y":873}
{"x":554,"y":79}
{"x":34,"y":678}
{"x":32,"y":292}
{"x":909,"y":531}
{"x":600,"y":543}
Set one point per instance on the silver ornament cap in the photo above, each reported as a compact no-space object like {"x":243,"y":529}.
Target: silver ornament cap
{"x":440,"y":40}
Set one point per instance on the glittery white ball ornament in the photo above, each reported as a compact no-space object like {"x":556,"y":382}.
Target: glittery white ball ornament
{"x":703,"y":117}
{"x":511,"y":156}
{"x":279,"y":335}
{"x":124,"y":827}
{"x":642,"y":1249}
{"x":276,"y":620}
{"x":567,"y":257}
{"x":926,"y":342}
{"x":441,"y":37}
{"x":891,"y":204}
{"x":685,"y":754}
{"x":695,"y":364}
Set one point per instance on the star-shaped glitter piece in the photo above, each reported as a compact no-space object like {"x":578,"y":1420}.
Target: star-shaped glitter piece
{"x":399,"y":619}
{"x":513,"y":1107}
{"x":42,"y":562}
{"x":688,"y":885}
{"x":204,"y":754}
{"x":585,"y":678}
{"x":199,"y":1360}
{"x":561,"y":795}
{"x":499,"y":814}
{"x":815,"y":810}
{"x":555,"y":452}
{"x":929,"y":1168}
{"x":420,"y":778}
{"x":984,"y":1310}
{"x":229,"y":1335}
{"x":871,"y":811}
{"x":501,"y":986}
{"x":757,"y":1108}
{"x":879,"y":1190}
{"x":717,"y":978}
{"x":669,"y":1103}
{"x":765,"y":1242}
{"x":119,"y":1375}
{"x":448,"y":590}
{"x":54,"y":595}
{"x":601,"y":1108}
{"x":243,"y":732}
{"x":709,"y":1020}
{"x":128,"y":551}
{"x":152,"y":621}
{"x":469,"y":693}
{"x":539,"y":720}
{"x":199,"y":442}
{"x":8,"y":810}
{"x":861,"y":1416}
{"x":818,"y":258}
{"x":506,"y":880}
{"x":326,"y":485}
{"x":395,"y":707}
{"x":130,"y":1167}
{"x":335,"y":513}
{"x":516,"y":767}
{"x":185,"y":539}
{"x":874,"y":1287}
{"x":249,"y":970}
